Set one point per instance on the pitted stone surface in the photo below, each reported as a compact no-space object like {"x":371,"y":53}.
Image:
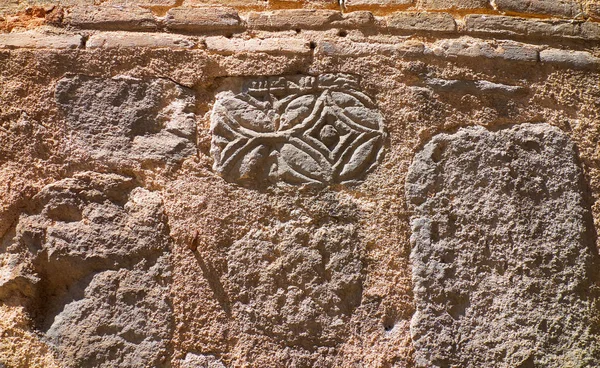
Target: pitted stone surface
{"x":298,"y":129}
{"x":125,"y":122}
{"x":502,"y":251}
{"x":94,"y":251}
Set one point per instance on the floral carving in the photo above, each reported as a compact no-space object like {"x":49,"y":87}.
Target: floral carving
{"x":298,"y":129}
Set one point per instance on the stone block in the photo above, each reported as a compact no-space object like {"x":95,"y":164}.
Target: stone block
{"x":327,"y":131}
{"x":36,"y":40}
{"x":206,"y":19}
{"x":460,"y":5}
{"x":99,"y":246}
{"x":111,"y":17}
{"x":349,"y":48}
{"x":476,"y":48}
{"x":560,"y":8}
{"x":148,"y":40}
{"x":292,"y":19}
{"x":422,"y":22}
{"x":502,"y":253}
{"x":378,"y":3}
{"x":570,"y":59}
{"x":515,"y":26}
{"x":126,"y":122}
{"x":223,"y":45}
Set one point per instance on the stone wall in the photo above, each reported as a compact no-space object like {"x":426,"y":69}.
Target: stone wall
{"x":278,"y":183}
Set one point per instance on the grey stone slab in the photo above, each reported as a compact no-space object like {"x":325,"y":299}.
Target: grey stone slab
{"x":503,"y":251}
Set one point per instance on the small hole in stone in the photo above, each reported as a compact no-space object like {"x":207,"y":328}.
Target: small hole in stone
{"x":388,"y":327}
{"x":229,"y":35}
{"x":342,"y":33}
{"x":298,"y":30}
{"x":313,"y":45}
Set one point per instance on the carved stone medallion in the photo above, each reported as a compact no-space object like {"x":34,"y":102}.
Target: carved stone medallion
{"x":297,"y":129}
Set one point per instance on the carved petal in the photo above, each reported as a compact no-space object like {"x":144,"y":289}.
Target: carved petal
{"x":296,"y":111}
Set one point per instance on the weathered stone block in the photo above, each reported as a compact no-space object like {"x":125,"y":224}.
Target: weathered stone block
{"x":378,"y":3}
{"x":128,"y":39}
{"x":308,"y":19}
{"x":123,"y":18}
{"x":476,"y":48}
{"x":502,"y":251}
{"x":124,"y":122}
{"x":454,"y":4}
{"x":203,"y":19}
{"x":351,"y":49}
{"x":293,"y":18}
{"x":568,"y":58}
{"x":98,"y":250}
{"x":562,"y":8}
{"x":426,"y":22}
{"x":298,"y":129}
{"x":36,"y":40}
{"x":228,"y":46}
{"x":515,"y":26}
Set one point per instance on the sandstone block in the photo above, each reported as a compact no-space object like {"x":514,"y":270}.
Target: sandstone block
{"x":99,"y":247}
{"x":116,"y":17}
{"x":590,"y":30}
{"x":327,"y":131}
{"x":36,"y":40}
{"x":124,"y":122}
{"x":148,"y":40}
{"x":293,"y":18}
{"x":453,"y":4}
{"x":228,"y":46}
{"x":474,"y":48}
{"x":202,"y":19}
{"x":502,"y":253}
{"x":426,"y":22}
{"x":568,"y":58}
{"x":561,"y":8}
{"x":475,"y":87}
{"x":349,"y":48}
{"x":593,"y":10}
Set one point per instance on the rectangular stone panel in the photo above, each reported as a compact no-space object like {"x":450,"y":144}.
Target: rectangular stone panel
{"x":502,"y":250}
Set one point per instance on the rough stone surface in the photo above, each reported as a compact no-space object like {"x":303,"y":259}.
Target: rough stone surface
{"x":377,"y":3}
{"x":96,"y":249}
{"x":430,"y":22}
{"x":228,"y":46}
{"x":475,"y":48}
{"x":298,"y":129}
{"x":562,"y":8}
{"x":128,"y":18}
{"x":35,"y":40}
{"x":461,"y":5}
{"x":573,"y":59}
{"x":129,"y":39}
{"x":502,"y":255}
{"x":125,"y":122}
{"x":308,"y":19}
{"x":202,"y":19}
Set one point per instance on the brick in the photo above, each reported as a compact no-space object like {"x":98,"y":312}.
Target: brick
{"x":148,"y":40}
{"x":36,"y":40}
{"x":474,"y":48}
{"x":593,"y":10}
{"x":475,"y":87}
{"x":573,"y":59}
{"x":431,"y":22}
{"x":377,"y":3}
{"x":561,"y":8}
{"x":126,"y":18}
{"x":515,"y":26}
{"x":233,"y":3}
{"x":453,"y":4}
{"x":349,"y":48}
{"x":223,"y":45}
{"x":202,"y":19}
{"x":151,"y":3}
{"x":308,"y":19}
{"x":293,"y":18}
{"x":590,"y":30}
